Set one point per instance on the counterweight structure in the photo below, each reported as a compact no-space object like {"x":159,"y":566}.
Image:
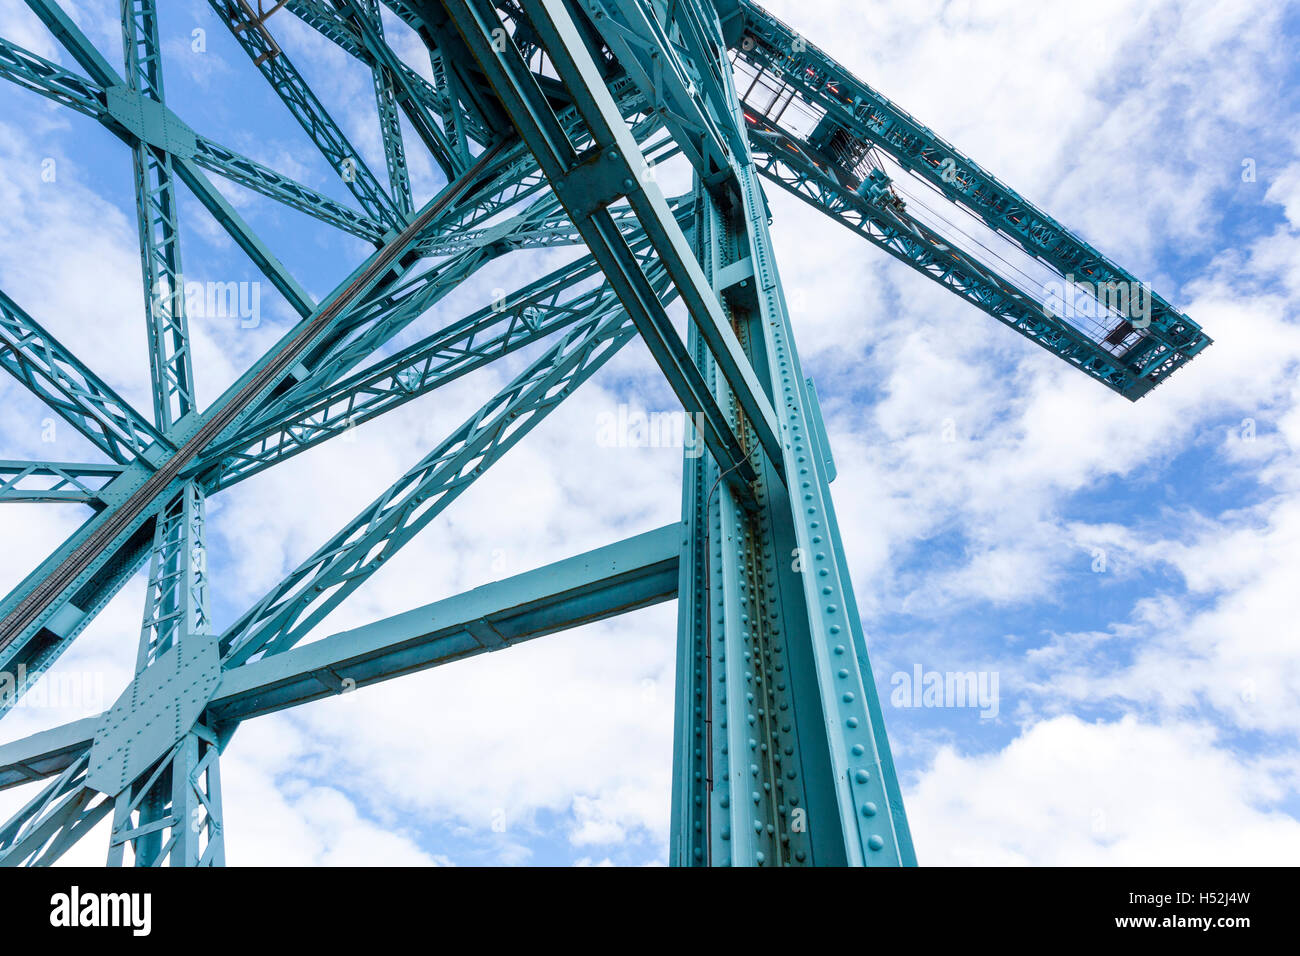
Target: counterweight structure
{"x":546,"y":118}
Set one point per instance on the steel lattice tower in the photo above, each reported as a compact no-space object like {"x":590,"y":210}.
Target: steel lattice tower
{"x":546,"y":118}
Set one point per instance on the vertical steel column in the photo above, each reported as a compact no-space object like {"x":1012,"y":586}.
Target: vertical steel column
{"x":783,"y":644}
{"x":738,"y":790}
{"x":179,"y":798}
{"x":804,"y":681}
{"x":781,"y":756}
{"x":155,"y":194}
{"x":176,"y":602}
{"x":829,"y":663}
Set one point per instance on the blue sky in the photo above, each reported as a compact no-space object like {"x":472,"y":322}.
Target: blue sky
{"x":1147,"y":713}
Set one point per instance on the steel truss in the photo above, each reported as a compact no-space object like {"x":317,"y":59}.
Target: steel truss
{"x":547,"y":118}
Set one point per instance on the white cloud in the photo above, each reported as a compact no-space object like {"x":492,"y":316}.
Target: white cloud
{"x":1123,"y":793}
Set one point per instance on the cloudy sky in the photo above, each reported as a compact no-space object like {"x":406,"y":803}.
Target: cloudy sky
{"x":1126,"y":572}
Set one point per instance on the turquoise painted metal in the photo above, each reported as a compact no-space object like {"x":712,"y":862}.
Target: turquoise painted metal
{"x":547,"y":118}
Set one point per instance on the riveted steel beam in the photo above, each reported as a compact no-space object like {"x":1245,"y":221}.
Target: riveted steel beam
{"x":780,"y":752}
{"x":168,"y":808}
{"x":634,"y":573}
{"x":587,"y":184}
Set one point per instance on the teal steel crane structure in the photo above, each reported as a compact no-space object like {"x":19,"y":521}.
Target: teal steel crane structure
{"x":546,"y":119}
